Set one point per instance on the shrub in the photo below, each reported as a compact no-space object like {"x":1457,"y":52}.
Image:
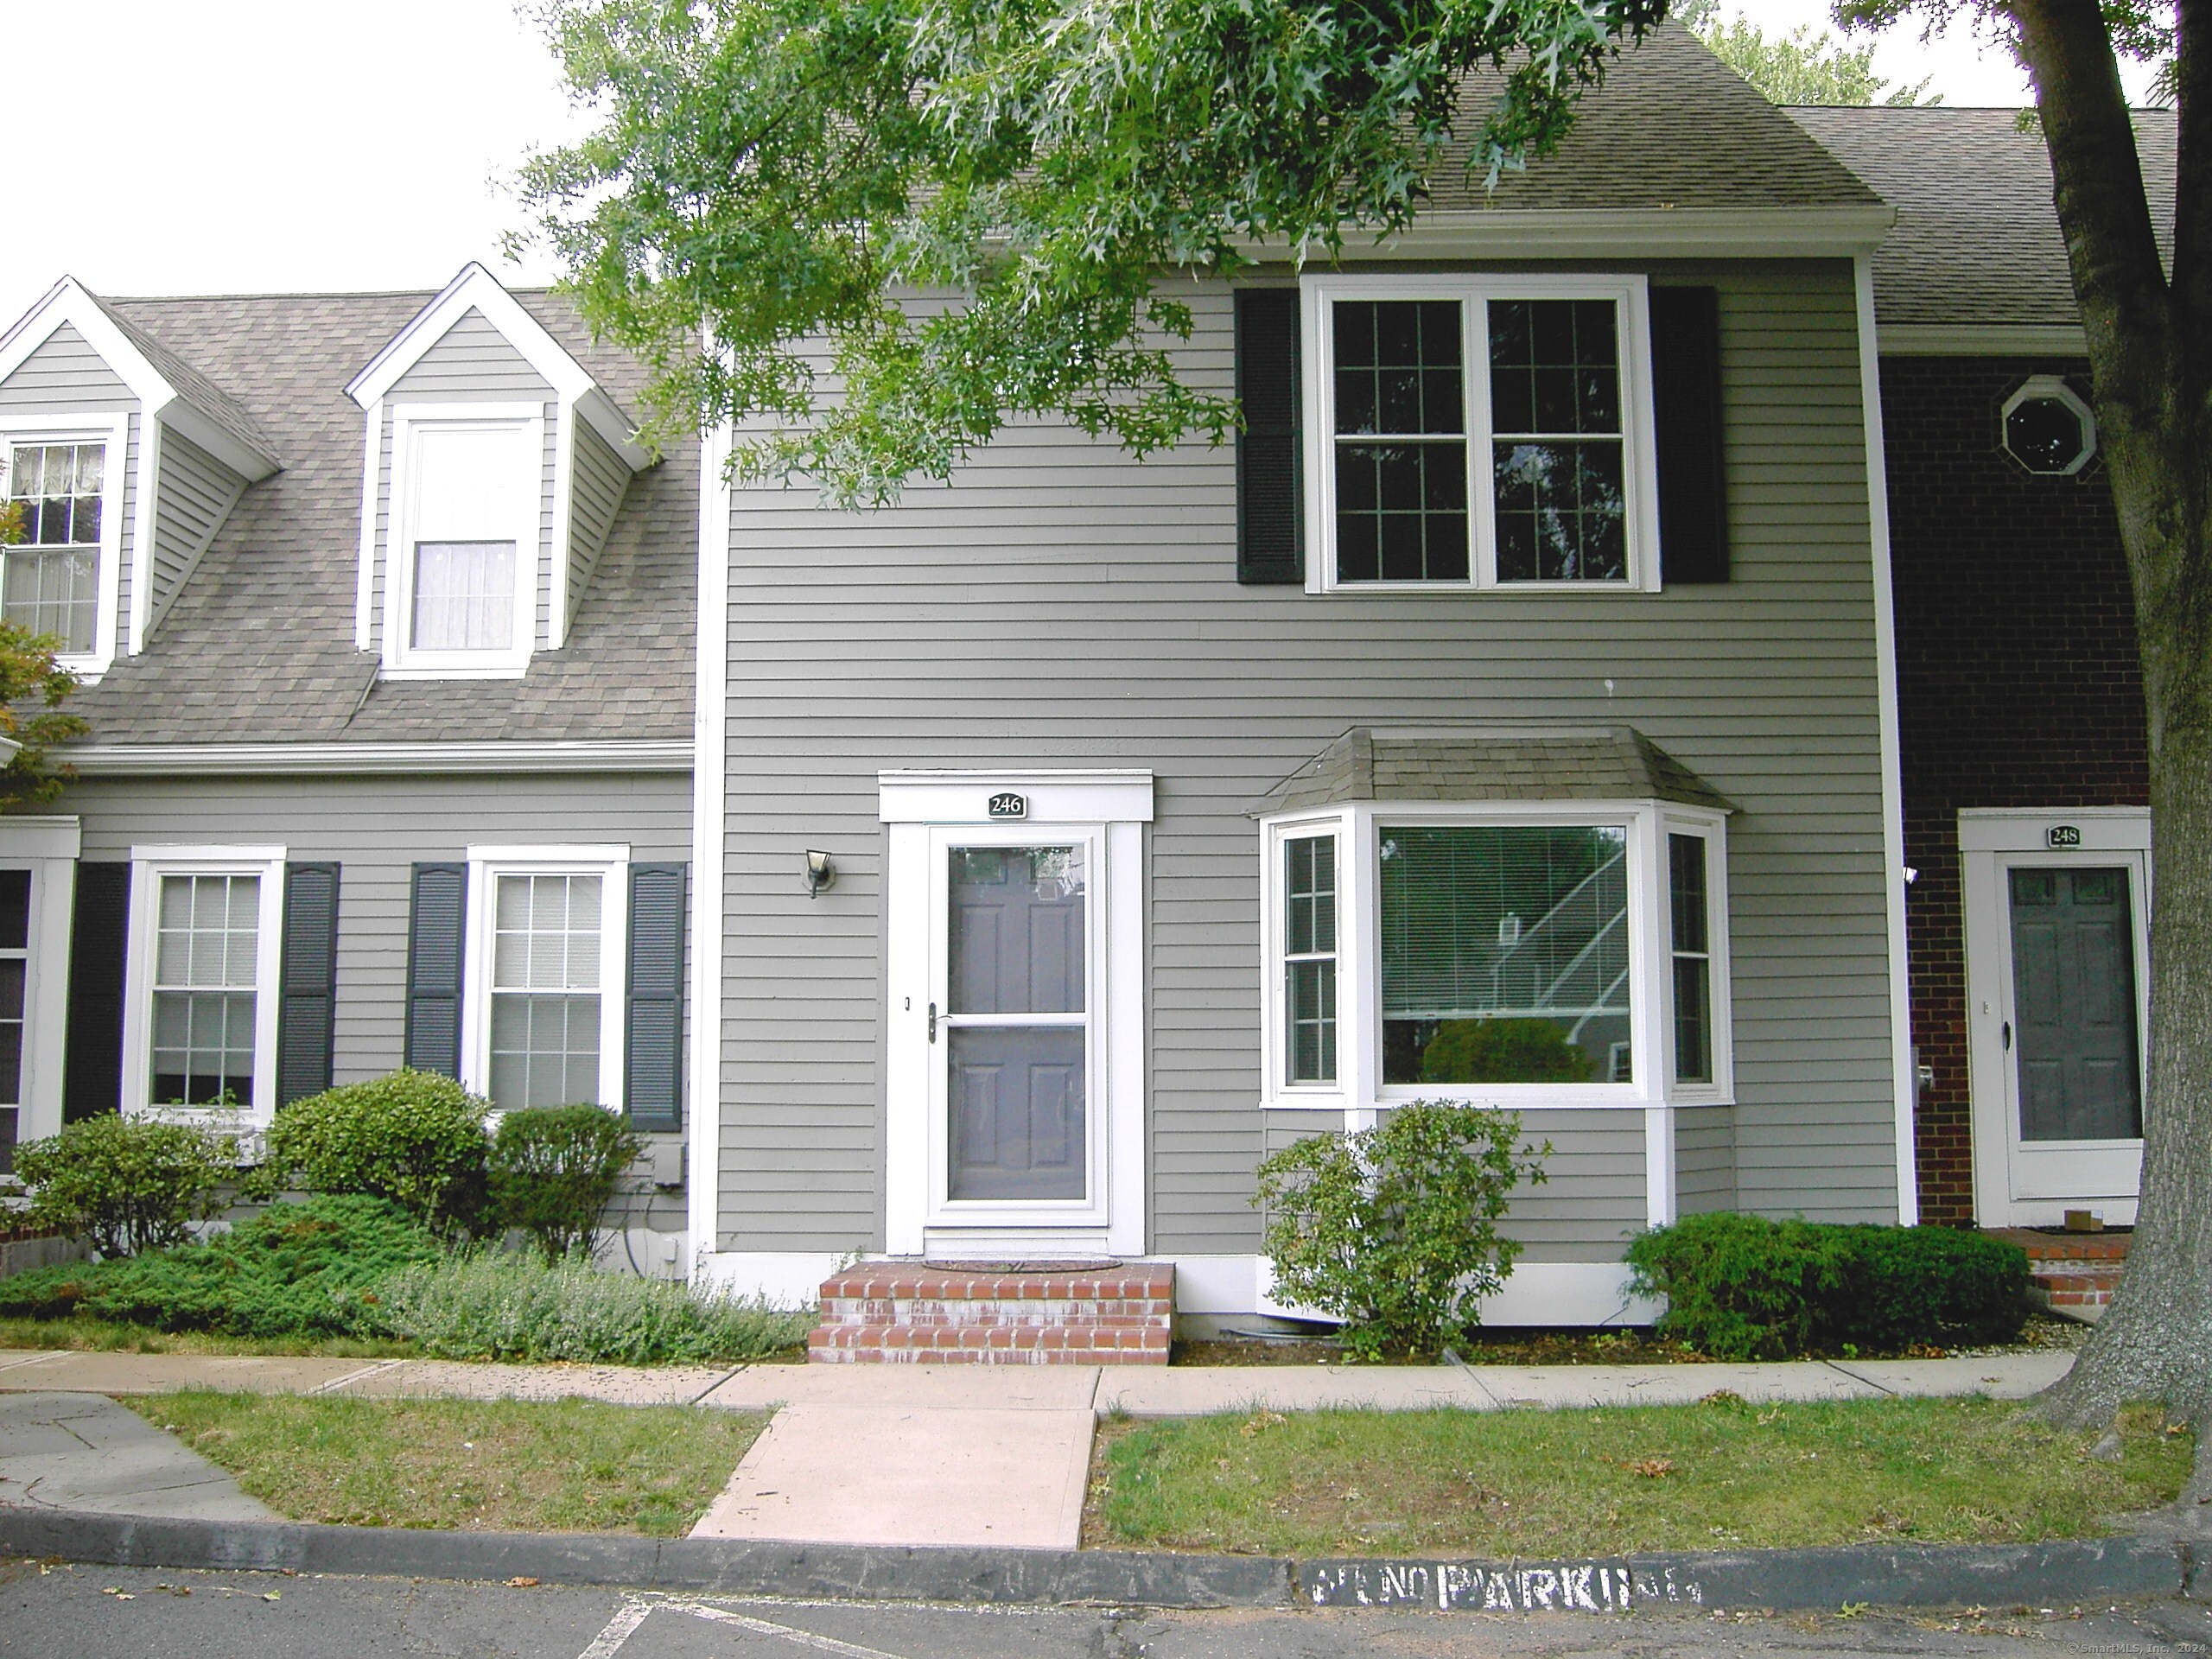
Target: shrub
{"x":126,"y":1183}
{"x":1393,"y":1230}
{"x":295,"y":1269}
{"x":413,"y":1137}
{"x":1745,"y":1287}
{"x":1934,"y":1285}
{"x":499,"y":1305}
{"x":1503,"y":1051}
{"x":554,"y":1170}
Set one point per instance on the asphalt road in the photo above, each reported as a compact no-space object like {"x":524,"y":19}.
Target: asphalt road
{"x":93,"y":1612}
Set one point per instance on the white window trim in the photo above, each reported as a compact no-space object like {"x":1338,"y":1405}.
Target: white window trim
{"x":1359,"y":1086}
{"x":112,"y":429}
{"x":2038,"y":387}
{"x":403,"y":661}
{"x":1640,"y":470}
{"x":148,"y":865}
{"x":48,"y":848}
{"x":485,"y":866}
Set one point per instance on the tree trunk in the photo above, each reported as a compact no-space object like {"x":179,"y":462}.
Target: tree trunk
{"x":2150,"y":343}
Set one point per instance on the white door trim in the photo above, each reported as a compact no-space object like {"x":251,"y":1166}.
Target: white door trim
{"x":1991,"y":842}
{"x":1109,"y":809}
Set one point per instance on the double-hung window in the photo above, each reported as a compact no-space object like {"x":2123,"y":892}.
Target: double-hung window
{"x":1521,"y":953}
{"x":462,"y":558}
{"x":57,"y":566}
{"x":543,"y":1025}
{"x":1480,"y":432}
{"x":199,"y":1022}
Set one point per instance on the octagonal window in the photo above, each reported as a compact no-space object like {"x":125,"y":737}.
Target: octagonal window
{"x":2048,"y":428}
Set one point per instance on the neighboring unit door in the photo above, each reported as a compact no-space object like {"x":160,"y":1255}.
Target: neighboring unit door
{"x":2056,"y":988}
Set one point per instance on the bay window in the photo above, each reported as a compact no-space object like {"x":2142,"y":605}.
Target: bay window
{"x":1523,"y":953}
{"x":1487,"y":431}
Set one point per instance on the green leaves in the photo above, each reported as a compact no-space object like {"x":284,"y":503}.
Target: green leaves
{"x":904,"y":223}
{"x":1393,"y":1230}
{"x":126,"y":1183}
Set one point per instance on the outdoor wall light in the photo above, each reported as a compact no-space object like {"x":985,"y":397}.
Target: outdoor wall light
{"x":820,"y":872}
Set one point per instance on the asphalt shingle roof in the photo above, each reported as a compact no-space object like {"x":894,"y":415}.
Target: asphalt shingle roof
{"x":1505,"y":763}
{"x":1673,"y":126}
{"x":196,"y":388}
{"x":1976,"y":237}
{"x":258,"y":645}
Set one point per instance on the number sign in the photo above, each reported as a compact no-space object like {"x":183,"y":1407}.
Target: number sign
{"x":1007,"y":805}
{"x":2062,"y":835}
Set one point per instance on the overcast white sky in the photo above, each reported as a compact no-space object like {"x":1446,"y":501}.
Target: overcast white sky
{"x":268,"y":145}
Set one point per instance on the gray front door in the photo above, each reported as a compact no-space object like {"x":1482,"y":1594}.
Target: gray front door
{"x":2074,"y":1003}
{"x":1018,"y":1029}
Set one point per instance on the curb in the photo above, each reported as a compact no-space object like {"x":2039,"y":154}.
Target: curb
{"x":1779,"y":1579}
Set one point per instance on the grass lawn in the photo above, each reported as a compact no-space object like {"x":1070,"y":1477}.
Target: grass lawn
{"x":83,"y":1332}
{"x":1715,"y":1476}
{"x":497,"y":1465}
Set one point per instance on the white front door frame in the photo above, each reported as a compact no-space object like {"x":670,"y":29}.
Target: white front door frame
{"x":48,"y":848}
{"x":2014,"y":1185}
{"x":922,"y":813}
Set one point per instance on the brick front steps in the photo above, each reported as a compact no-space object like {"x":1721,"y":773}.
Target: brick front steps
{"x":2074,"y":1274}
{"x":997,"y":1314}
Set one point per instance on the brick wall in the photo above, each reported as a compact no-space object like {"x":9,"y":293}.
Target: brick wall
{"x":2018,"y":683}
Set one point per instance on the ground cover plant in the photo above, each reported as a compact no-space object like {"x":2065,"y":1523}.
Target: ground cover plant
{"x":1393,"y":1230}
{"x":1720,"y":1475}
{"x":307,"y":1270}
{"x":82,"y":1333}
{"x":1741,"y":1287}
{"x":509,"y":1307}
{"x":567,"y":1465}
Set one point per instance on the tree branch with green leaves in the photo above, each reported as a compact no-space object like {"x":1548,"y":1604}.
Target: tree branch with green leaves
{"x":902,"y":224}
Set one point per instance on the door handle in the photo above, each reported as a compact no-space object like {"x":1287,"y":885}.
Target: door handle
{"x":933,"y":1022}
{"x":2006,"y":1037}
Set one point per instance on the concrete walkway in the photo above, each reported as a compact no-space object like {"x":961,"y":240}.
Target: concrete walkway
{"x":85,"y":1452}
{"x":959,"y":1455}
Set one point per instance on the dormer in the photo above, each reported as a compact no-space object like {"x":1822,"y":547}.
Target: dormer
{"x":123,"y":462}
{"x":494,"y":465}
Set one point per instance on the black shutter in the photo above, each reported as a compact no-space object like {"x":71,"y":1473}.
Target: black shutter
{"x":437,"y":923}
{"x":1270,"y":463}
{"x":305,"y":1033}
{"x":653,"y":1047}
{"x":1692,"y":478}
{"x":91,"y":1076}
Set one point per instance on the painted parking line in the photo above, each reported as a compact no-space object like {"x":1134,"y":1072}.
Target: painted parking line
{"x":635,"y":1611}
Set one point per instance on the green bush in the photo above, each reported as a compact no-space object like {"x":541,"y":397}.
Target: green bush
{"x":126,"y":1183}
{"x":1504,"y":1051}
{"x":1393,"y":1230}
{"x":553,"y":1170}
{"x":295,"y":1269}
{"x":414,"y":1137}
{"x":499,"y":1305}
{"x":1745,"y":1287}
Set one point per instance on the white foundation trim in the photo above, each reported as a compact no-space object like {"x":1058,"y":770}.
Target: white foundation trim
{"x":1885,"y":653}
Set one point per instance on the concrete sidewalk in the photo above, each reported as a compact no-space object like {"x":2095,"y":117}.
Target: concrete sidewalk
{"x":1165,"y":1391}
{"x":928,"y":1455}
{"x":84,"y":1453}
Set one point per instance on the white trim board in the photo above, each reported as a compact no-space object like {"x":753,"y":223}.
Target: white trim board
{"x":1984,"y":339}
{"x":709,"y":842}
{"x":47,"y":847}
{"x":383,"y":760}
{"x":1837,"y":232}
{"x":1886,"y":660}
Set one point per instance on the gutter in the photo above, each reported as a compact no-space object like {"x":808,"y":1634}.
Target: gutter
{"x":375,"y":760}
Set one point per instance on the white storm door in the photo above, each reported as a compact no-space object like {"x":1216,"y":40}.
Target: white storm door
{"x":1012,"y":1025}
{"x":2057,"y":968}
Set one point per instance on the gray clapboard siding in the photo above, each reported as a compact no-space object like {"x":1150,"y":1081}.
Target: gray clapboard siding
{"x":1060,"y":605}
{"x":193,"y":493}
{"x":1704,"y":1159}
{"x":65,"y":374}
{"x":376,"y":828}
{"x":597,"y":479}
{"x":472,"y":362}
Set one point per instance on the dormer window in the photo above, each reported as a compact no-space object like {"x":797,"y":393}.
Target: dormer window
{"x":49,"y":579}
{"x":466,"y":493}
